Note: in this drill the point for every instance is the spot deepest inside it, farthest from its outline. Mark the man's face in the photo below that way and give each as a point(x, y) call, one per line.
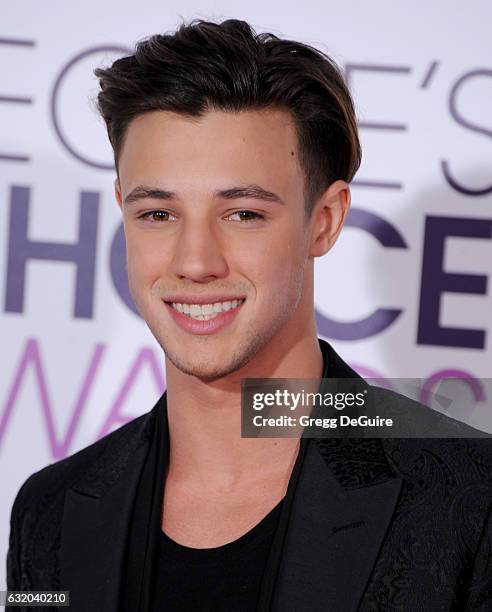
point(183, 185)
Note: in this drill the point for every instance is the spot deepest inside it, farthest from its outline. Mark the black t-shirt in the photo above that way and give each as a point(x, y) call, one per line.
point(222, 579)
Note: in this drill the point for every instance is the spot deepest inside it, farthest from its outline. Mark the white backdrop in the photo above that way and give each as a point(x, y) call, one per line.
point(76, 362)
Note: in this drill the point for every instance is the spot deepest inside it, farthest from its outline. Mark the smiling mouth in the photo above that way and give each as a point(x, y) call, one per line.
point(205, 312)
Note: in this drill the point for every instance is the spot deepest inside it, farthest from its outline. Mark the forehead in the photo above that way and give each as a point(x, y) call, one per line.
point(258, 145)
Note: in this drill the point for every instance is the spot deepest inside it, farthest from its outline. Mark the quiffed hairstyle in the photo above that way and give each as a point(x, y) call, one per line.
point(228, 66)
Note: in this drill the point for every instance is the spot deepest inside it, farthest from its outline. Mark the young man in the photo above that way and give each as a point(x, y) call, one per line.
point(233, 154)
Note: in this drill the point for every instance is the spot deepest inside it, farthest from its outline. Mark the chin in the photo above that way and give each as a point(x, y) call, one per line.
point(211, 357)
point(205, 362)
point(205, 369)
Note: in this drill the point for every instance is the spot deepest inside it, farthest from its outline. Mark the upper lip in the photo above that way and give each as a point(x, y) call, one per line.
point(202, 299)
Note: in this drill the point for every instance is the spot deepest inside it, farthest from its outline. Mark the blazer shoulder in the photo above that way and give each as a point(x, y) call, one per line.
point(416, 420)
point(61, 474)
point(452, 447)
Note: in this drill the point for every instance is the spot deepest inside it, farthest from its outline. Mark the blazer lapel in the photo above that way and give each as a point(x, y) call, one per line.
point(96, 521)
point(332, 539)
point(338, 506)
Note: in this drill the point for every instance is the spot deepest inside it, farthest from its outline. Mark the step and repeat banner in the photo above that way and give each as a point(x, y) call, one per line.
point(404, 293)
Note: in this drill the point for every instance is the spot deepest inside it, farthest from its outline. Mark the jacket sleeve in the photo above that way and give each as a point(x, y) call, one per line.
point(480, 592)
point(14, 562)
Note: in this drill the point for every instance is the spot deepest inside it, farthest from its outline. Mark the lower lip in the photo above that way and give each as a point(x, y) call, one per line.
point(211, 326)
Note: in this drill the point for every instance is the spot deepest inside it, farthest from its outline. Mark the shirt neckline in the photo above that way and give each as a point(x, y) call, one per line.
point(227, 552)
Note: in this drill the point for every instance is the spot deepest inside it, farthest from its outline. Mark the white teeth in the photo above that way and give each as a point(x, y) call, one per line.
point(204, 312)
point(195, 309)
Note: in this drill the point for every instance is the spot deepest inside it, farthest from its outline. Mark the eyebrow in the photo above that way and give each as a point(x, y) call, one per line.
point(247, 191)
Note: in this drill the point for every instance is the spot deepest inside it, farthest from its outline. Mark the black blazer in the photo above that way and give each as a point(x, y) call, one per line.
point(367, 524)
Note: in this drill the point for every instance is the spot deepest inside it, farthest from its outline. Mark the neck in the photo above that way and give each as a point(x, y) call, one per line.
point(205, 419)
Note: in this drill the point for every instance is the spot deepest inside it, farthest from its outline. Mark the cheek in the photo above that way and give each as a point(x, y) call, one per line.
point(275, 267)
point(289, 273)
point(144, 267)
point(145, 257)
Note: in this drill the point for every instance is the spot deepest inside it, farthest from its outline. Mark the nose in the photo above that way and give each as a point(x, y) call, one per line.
point(198, 252)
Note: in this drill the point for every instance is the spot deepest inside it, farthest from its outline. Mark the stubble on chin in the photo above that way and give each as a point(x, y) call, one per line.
point(222, 365)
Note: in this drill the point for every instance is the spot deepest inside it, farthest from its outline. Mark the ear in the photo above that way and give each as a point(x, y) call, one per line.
point(329, 214)
point(117, 192)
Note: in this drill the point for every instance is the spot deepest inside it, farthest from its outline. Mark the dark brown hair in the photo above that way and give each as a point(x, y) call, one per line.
point(228, 66)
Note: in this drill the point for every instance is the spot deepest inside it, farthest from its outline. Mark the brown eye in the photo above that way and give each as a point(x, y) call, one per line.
point(157, 216)
point(247, 215)
point(160, 215)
